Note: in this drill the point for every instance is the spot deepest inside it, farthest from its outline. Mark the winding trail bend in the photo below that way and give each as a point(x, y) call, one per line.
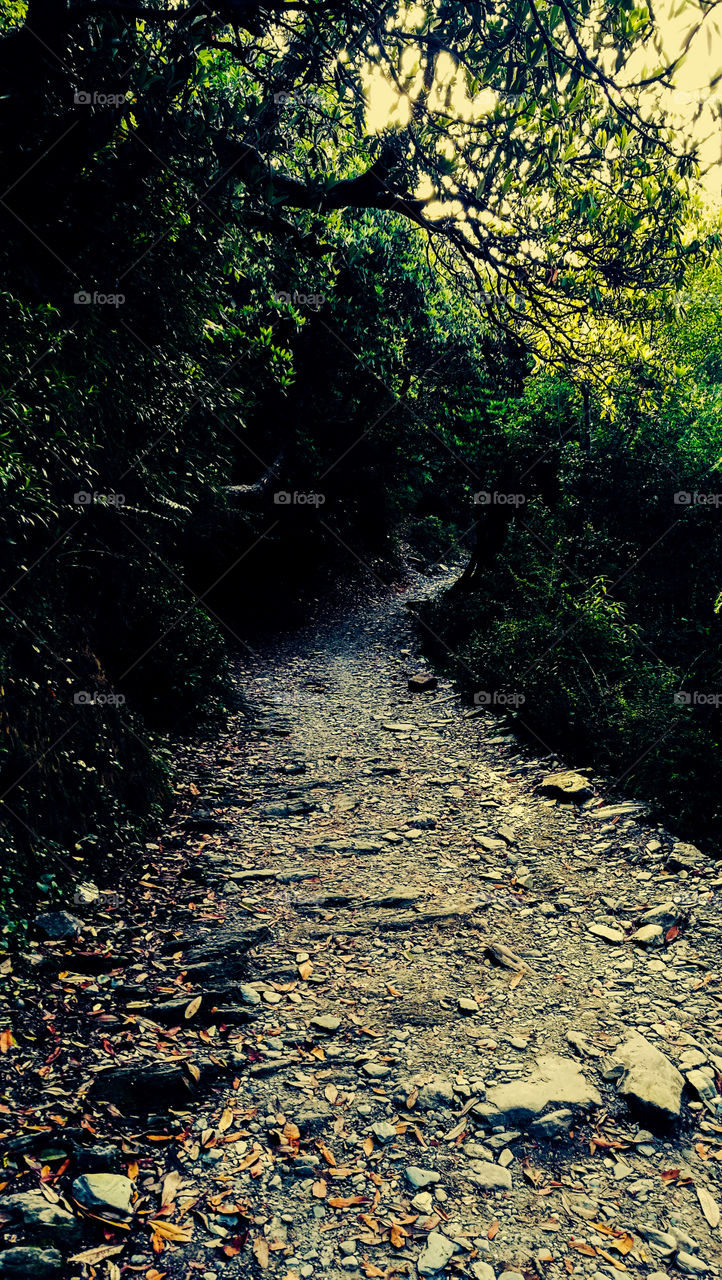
point(423, 986)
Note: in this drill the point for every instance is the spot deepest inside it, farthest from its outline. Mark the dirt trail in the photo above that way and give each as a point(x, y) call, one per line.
point(411, 1053)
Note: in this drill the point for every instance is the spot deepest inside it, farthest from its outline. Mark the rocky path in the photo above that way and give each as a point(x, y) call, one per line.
point(379, 1003)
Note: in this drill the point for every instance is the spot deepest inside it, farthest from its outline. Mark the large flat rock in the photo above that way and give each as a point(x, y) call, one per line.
point(556, 1082)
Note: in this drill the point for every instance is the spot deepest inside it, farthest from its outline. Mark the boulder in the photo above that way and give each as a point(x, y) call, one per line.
point(684, 857)
point(421, 683)
point(59, 925)
point(38, 1218)
point(648, 1081)
point(24, 1263)
point(566, 785)
point(105, 1195)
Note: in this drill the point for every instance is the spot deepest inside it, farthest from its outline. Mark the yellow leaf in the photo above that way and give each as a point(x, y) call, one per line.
point(305, 970)
point(320, 1189)
point(368, 1146)
point(226, 1120)
point(330, 1093)
point(398, 1236)
point(194, 1071)
point(193, 1007)
point(170, 1231)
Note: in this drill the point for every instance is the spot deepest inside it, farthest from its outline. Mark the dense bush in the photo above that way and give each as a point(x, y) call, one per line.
point(594, 600)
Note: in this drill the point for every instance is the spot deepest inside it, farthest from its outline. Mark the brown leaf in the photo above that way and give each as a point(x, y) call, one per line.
point(412, 1098)
point(194, 1071)
point(305, 970)
point(6, 1040)
point(320, 1189)
point(345, 1202)
point(370, 1269)
point(393, 991)
point(493, 1228)
point(260, 1251)
point(368, 1146)
point(330, 1093)
point(397, 1236)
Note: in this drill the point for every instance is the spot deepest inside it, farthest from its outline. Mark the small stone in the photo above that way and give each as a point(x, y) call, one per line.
point(490, 1176)
point(687, 1262)
point(326, 1022)
point(649, 935)
point(505, 1158)
point(421, 1178)
point(605, 933)
point(347, 1246)
point(483, 1271)
point(423, 1201)
point(249, 995)
point(466, 1005)
point(376, 1070)
point(312, 1116)
point(437, 1251)
point(518, 1042)
point(552, 1126)
point(349, 1263)
point(384, 1132)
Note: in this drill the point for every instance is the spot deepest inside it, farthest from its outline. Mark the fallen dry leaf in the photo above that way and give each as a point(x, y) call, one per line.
point(193, 1007)
point(226, 1120)
point(709, 1206)
point(98, 1254)
point(260, 1251)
